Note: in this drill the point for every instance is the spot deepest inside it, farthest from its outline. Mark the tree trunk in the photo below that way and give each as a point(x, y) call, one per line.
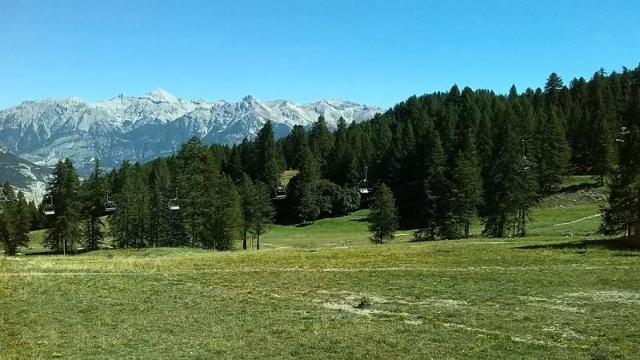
point(244, 239)
point(634, 234)
point(258, 241)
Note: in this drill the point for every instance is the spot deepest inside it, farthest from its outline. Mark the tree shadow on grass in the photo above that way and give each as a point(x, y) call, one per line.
point(304, 224)
point(617, 244)
point(46, 252)
point(578, 187)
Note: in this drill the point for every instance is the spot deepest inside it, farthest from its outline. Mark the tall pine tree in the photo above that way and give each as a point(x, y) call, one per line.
point(63, 193)
point(94, 209)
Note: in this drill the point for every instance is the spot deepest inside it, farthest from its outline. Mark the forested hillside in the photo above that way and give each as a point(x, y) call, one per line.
point(447, 158)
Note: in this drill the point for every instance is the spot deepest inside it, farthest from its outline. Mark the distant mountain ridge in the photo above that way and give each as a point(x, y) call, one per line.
point(145, 127)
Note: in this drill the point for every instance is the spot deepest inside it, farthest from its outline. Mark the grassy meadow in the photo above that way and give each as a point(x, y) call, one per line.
point(322, 291)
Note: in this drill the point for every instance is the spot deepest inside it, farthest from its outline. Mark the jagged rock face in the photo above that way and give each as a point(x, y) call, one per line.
point(143, 128)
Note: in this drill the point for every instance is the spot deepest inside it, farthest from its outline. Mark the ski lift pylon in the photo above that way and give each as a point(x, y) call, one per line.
point(363, 187)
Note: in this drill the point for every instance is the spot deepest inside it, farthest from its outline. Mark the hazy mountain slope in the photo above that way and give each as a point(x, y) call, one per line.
point(22, 174)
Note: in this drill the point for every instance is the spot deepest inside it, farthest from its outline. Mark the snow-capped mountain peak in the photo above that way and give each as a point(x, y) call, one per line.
point(155, 124)
point(161, 95)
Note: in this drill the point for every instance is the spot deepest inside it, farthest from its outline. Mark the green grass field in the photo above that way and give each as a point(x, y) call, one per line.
point(324, 292)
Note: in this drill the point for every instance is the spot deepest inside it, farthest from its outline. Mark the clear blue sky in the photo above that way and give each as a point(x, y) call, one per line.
point(373, 52)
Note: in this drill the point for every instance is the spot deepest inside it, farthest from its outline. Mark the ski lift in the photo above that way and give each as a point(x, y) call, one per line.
point(624, 131)
point(48, 209)
point(363, 187)
point(525, 161)
point(109, 206)
point(279, 193)
point(173, 203)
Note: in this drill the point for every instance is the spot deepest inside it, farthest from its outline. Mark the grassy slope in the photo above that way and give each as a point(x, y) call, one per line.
point(546, 296)
point(287, 176)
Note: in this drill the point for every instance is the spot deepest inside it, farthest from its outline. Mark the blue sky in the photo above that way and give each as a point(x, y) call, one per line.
point(373, 52)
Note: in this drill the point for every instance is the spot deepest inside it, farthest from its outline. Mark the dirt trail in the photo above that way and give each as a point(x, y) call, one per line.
point(578, 220)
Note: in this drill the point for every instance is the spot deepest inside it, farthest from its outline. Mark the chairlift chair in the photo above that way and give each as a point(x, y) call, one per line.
point(363, 187)
point(109, 206)
point(280, 193)
point(173, 203)
point(48, 209)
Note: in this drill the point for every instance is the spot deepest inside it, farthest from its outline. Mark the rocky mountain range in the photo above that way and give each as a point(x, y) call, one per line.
point(146, 127)
point(23, 175)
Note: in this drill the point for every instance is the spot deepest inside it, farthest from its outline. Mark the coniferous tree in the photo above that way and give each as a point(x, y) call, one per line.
point(37, 218)
point(382, 137)
point(525, 191)
point(159, 197)
point(604, 125)
point(94, 209)
point(248, 199)
point(304, 189)
point(20, 224)
point(601, 148)
point(17, 226)
point(222, 214)
point(553, 87)
point(578, 130)
point(407, 171)
point(466, 181)
point(139, 200)
point(340, 160)
point(294, 145)
point(308, 208)
point(15, 221)
point(484, 145)
point(446, 129)
point(344, 161)
point(5, 206)
point(435, 208)
point(266, 157)
point(130, 224)
point(235, 168)
point(64, 226)
point(383, 217)
point(263, 213)
point(362, 149)
point(321, 143)
point(123, 221)
point(504, 204)
point(195, 164)
point(622, 213)
point(552, 152)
